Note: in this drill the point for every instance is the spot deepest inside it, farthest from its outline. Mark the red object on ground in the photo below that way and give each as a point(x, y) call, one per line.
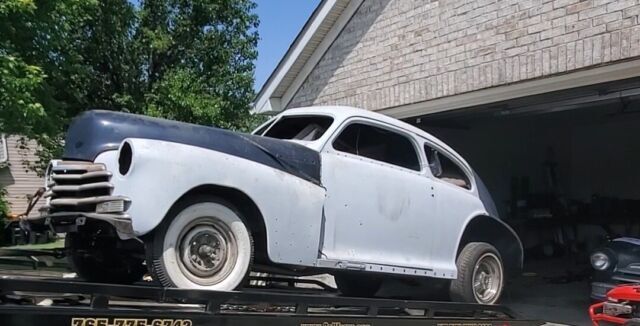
point(621, 302)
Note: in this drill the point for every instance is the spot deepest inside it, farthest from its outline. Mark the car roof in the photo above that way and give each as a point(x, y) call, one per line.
point(342, 113)
point(345, 112)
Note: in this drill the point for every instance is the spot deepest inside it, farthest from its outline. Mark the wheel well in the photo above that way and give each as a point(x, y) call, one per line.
point(489, 230)
point(248, 210)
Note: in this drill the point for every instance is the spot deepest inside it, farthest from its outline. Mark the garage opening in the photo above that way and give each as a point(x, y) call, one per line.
point(563, 169)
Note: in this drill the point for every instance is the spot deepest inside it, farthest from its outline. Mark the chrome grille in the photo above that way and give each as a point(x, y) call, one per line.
point(628, 274)
point(74, 186)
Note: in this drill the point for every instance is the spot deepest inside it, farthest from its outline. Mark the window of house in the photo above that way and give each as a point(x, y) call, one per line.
point(442, 167)
point(306, 128)
point(378, 144)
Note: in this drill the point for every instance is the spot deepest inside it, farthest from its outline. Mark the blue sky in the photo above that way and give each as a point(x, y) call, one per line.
point(280, 22)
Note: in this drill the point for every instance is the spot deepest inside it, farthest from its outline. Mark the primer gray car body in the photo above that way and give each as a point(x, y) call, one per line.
point(321, 207)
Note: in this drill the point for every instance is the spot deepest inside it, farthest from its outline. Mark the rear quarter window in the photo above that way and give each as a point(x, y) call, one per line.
point(445, 169)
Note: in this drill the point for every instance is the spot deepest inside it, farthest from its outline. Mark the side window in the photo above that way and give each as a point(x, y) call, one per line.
point(445, 169)
point(378, 144)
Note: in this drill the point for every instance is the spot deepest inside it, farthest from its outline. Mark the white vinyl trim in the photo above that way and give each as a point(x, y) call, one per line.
point(266, 102)
point(319, 52)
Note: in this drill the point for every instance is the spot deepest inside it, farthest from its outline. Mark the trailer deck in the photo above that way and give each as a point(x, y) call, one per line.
point(56, 301)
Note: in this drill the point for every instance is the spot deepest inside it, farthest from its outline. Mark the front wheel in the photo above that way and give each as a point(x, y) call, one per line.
point(202, 243)
point(480, 275)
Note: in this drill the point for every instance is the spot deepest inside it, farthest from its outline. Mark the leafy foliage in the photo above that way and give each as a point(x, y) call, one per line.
point(187, 60)
point(4, 205)
point(19, 82)
point(4, 210)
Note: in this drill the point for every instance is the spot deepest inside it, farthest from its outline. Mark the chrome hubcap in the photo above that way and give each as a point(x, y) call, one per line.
point(208, 252)
point(487, 279)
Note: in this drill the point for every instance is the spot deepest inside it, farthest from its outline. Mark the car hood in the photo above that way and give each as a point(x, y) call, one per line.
point(625, 258)
point(626, 250)
point(97, 131)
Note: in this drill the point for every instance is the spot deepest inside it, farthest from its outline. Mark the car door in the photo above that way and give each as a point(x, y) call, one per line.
point(379, 204)
point(456, 199)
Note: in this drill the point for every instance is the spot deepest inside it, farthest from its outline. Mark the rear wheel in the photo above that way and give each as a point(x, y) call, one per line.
point(98, 258)
point(203, 243)
point(357, 285)
point(480, 274)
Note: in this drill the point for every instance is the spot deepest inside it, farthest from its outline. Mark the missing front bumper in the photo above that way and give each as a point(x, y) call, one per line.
point(64, 222)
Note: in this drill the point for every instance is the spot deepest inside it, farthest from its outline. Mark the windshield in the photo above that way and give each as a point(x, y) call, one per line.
point(305, 128)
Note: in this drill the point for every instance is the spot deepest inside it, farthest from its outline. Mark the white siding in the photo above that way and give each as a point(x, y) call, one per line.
point(16, 178)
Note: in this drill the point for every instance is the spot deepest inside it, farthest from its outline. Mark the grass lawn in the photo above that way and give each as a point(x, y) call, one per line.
point(41, 266)
point(51, 245)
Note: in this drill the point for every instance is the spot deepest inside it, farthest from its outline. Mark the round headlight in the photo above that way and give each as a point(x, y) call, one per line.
point(600, 261)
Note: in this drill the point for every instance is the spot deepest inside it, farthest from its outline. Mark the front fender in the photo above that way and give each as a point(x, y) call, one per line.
point(161, 172)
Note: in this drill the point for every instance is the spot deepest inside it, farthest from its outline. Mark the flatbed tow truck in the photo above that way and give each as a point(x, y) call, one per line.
point(57, 301)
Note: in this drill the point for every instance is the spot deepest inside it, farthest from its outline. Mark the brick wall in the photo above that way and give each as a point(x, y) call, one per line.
point(396, 52)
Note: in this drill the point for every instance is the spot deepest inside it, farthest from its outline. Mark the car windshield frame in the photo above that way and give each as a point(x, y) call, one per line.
point(321, 127)
point(263, 127)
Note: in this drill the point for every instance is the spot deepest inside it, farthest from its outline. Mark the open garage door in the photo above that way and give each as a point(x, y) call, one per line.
point(563, 169)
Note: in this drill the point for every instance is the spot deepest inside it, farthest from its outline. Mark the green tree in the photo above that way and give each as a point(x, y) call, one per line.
point(20, 82)
point(184, 60)
point(185, 79)
point(40, 43)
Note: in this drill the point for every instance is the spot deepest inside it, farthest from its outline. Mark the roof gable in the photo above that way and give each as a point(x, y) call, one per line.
point(322, 28)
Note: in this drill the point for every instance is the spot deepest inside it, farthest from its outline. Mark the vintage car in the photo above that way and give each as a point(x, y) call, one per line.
point(313, 190)
point(616, 263)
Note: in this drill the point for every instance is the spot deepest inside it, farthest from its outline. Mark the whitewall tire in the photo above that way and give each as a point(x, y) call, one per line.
point(203, 243)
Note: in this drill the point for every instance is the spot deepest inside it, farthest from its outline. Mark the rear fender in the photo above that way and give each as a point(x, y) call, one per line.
point(491, 230)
